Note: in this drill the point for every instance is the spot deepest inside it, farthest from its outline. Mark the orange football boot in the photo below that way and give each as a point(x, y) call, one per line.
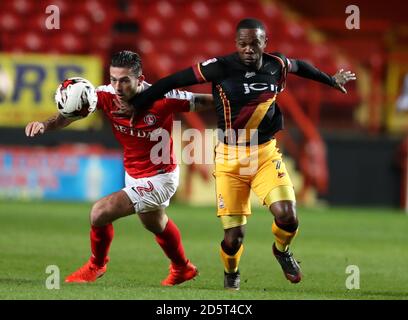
point(89, 272)
point(178, 274)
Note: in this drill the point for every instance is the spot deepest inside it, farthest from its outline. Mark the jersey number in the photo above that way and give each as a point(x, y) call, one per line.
point(140, 190)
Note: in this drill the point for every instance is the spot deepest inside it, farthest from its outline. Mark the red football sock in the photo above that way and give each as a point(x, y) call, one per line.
point(170, 241)
point(101, 238)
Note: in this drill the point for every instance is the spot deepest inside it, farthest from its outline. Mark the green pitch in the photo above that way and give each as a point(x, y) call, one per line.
point(36, 235)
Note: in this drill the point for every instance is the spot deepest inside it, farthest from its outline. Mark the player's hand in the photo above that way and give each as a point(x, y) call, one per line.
point(34, 128)
point(341, 78)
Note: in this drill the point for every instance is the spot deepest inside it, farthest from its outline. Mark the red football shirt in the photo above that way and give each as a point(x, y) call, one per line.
point(147, 143)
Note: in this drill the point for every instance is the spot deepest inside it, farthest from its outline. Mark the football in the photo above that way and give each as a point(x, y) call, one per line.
point(76, 98)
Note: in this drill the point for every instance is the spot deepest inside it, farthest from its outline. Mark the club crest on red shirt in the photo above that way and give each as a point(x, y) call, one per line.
point(150, 119)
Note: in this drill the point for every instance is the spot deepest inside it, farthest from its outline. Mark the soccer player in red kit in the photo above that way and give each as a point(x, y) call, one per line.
point(151, 178)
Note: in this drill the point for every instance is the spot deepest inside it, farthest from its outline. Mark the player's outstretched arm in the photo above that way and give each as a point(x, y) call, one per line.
point(200, 102)
point(57, 121)
point(155, 92)
point(306, 70)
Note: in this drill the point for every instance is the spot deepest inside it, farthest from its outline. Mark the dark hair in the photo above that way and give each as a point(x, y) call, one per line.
point(250, 23)
point(127, 59)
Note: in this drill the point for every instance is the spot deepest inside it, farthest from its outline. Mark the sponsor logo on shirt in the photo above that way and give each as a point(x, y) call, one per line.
point(248, 87)
point(134, 132)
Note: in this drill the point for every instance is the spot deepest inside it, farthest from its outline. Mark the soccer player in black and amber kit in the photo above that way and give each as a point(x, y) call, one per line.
point(245, 86)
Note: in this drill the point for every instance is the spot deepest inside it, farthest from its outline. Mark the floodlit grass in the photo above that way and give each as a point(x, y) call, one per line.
point(37, 234)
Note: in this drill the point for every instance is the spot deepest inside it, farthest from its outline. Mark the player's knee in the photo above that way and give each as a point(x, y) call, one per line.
point(233, 243)
point(154, 221)
point(155, 227)
point(234, 237)
point(284, 212)
point(100, 214)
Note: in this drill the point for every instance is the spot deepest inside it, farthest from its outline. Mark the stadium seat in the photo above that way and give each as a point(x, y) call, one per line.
point(35, 23)
point(20, 7)
point(222, 30)
point(232, 10)
point(64, 6)
point(78, 24)
point(9, 22)
point(294, 31)
point(165, 62)
point(176, 47)
point(185, 27)
point(161, 9)
point(198, 10)
point(271, 12)
point(6, 41)
point(100, 44)
point(152, 27)
point(100, 14)
point(132, 10)
point(146, 46)
point(214, 48)
point(30, 42)
point(210, 48)
point(69, 44)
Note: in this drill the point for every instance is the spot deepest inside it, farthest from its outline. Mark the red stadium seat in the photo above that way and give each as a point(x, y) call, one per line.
point(9, 22)
point(134, 11)
point(233, 11)
point(215, 48)
point(294, 31)
point(271, 12)
point(29, 42)
point(38, 23)
point(176, 47)
point(152, 27)
point(211, 48)
point(80, 24)
point(223, 29)
point(68, 43)
point(165, 62)
point(20, 7)
point(145, 46)
point(185, 27)
point(100, 44)
point(7, 41)
point(100, 15)
point(65, 7)
point(198, 10)
point(161, 9)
